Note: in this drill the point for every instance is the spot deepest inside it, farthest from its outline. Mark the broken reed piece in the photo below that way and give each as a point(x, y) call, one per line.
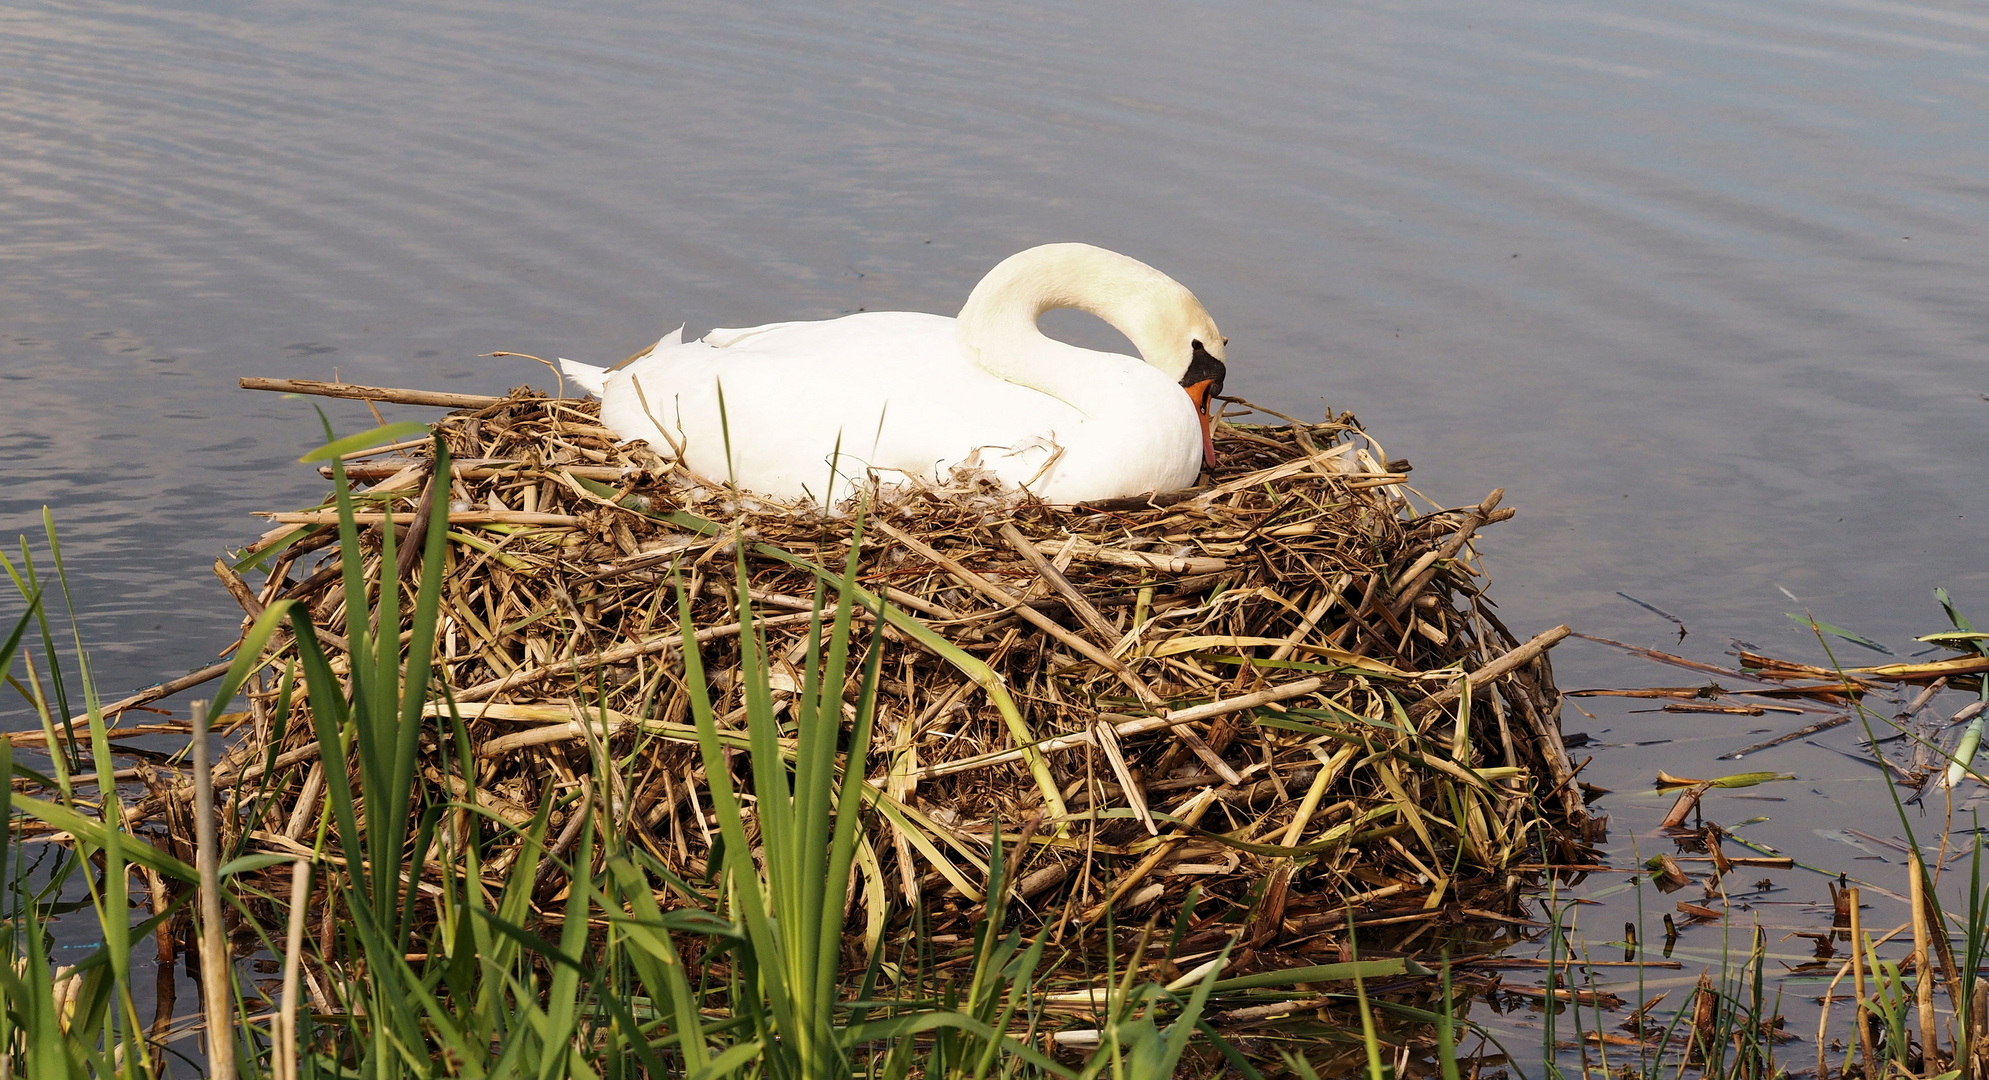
point(355, 392)
point(216, 1009)
point(1698, 911)
point(138, 700)
point(1504, 665)
point(1671, 877)
point(1688, 801)
point(456, 517)
point(470, 469)
point(1801, 732)
point(1091, 551)
point(1705, 1010)
point(1866, 1053)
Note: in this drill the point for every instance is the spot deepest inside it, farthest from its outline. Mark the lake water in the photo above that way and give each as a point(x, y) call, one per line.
point(1701, 285)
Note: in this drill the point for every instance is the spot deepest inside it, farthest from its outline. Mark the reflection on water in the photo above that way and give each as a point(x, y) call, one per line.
point(1700, 286)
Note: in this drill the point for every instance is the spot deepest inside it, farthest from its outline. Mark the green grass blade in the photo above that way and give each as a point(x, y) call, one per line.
point(328, 716)
point(335, 449)
point(738, 864)
point(562, 1000)
point(1837, 631)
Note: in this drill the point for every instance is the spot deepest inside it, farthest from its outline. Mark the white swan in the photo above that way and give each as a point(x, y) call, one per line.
point(918, 394)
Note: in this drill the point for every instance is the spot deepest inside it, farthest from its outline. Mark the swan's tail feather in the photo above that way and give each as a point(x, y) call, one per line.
point(589, 377)
point(593, 379)
point(668, 341)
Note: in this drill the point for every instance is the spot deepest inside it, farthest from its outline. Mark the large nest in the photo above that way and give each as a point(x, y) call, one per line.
point(1258, 687)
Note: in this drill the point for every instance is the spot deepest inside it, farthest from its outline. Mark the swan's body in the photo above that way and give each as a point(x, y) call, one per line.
point(910, 393)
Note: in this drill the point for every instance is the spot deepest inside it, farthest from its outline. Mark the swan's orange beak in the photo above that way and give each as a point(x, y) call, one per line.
point(1203, 395)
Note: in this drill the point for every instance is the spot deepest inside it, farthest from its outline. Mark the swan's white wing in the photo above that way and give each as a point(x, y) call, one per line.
point(594, 379)
point(722, 337)
point(590, 378)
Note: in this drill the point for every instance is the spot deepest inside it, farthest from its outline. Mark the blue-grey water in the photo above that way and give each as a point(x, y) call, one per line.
point(1701, 285)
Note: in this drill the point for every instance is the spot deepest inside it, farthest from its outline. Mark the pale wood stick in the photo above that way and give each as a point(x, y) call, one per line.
point(253, 770)
point(372, 393)
point(285, 1035)
point(1282, 1008)
point(148, 696)
point(1224, 707)
point(1923, 989)
point(238, 588)
point(504, 809)
point(37, 738)
point(474, 469)
point(1864, 1032)
point(1138, 560)
point(466, 517)
point(89, 779)
point(1028, 614)
point(215, 977)
point(1517, 657)
point(1688, 800)
point(307, 802)
point(917, 603)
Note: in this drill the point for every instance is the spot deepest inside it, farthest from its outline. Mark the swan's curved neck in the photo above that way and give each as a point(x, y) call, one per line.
point(998, 329)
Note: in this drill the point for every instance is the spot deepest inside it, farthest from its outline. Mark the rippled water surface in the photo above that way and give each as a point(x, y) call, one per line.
point(1701, 285)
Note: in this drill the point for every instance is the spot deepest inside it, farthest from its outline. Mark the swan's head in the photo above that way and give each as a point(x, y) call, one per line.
point(1203, 381)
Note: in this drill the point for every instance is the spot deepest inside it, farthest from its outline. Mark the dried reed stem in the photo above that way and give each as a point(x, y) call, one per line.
point(216, 974)
point(285, 1035)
